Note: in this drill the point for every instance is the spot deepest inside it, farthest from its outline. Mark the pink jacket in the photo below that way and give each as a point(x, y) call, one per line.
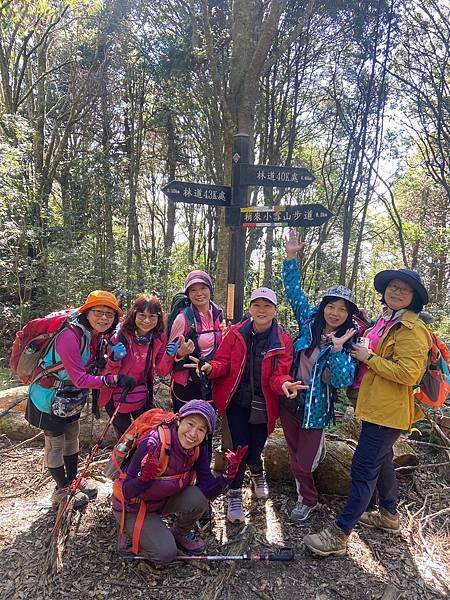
point(133, 364)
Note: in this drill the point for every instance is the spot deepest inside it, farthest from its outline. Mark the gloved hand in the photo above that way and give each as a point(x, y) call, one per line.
point(234, 461)
point(125, 381)
point(118, 351)
point(149, 467)
point(173, 347)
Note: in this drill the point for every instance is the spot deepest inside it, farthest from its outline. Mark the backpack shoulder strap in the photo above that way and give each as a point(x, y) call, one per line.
point(164, 454)
point(191, 329)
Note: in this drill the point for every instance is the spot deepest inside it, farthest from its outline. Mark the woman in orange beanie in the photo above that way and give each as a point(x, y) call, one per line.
point(56, 399)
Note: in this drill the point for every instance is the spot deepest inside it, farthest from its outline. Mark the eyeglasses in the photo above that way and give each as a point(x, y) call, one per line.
point(109, 314)
point(144, 317)
point(401, 290)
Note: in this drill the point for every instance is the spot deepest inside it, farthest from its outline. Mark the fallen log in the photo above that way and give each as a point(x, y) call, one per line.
point(333, 474)
point(14, 426)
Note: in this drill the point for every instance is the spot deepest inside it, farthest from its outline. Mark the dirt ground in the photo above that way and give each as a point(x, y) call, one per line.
point(414, 564)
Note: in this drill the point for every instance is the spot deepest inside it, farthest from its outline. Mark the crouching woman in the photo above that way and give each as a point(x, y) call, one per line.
point(144, 497)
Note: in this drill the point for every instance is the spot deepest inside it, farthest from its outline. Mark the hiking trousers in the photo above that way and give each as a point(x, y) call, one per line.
point(305, 447)
point(157, 542)
point(372, 468)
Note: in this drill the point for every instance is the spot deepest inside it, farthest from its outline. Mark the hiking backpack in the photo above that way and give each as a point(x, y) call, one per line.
point(32, 343)
point(153, 419)
point(434, 387)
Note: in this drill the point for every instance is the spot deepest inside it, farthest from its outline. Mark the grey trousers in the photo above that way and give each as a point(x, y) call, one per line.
point(156, 541)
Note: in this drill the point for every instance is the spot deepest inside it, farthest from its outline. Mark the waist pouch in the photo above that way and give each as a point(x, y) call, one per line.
point(69, 401)
point(134, 400)
point(295, 406)
point(258, 411)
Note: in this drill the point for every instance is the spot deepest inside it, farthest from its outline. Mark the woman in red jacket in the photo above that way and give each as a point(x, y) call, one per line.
point(138, 348)
point(250, 371)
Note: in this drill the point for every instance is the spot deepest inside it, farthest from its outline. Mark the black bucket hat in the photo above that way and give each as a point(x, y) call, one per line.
point(410, 277)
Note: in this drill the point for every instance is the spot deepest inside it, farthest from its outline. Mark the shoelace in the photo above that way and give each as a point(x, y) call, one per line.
point(191, 536)
point(260, 480)
point(235, 502)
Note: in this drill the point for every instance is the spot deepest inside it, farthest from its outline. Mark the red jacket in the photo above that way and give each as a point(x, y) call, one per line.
point(229, 362)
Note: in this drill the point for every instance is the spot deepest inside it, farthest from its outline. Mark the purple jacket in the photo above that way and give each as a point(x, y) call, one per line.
point(156, 492)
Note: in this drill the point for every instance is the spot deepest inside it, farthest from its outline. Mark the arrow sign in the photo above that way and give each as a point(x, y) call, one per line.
point(304, 215)
point(198, 193)
point(275, 176)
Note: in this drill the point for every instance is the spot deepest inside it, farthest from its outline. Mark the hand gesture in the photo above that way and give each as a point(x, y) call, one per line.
point(205, 368)
point(125, 381)
point(293, 244)
point(149, 467)
point(186, 347)
point(234, 461)
point(290, 388)
point(118, 351)
point(338, 342)
point(359, 352)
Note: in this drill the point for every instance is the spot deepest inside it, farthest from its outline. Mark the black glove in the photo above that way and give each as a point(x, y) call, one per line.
point(125, 381)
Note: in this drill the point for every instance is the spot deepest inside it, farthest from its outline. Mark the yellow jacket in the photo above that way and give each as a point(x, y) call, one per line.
point(386, 393)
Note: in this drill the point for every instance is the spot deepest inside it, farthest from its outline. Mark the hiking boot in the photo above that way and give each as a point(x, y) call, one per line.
point(331, 540)
point(259, 485)
point(301, 512)
point(87, 488)
point(235, 512)
point(61, 494)
point(189, 542)
point(381, 519)
point(207, 515)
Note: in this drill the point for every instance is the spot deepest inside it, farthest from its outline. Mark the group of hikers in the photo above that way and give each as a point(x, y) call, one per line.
point(252, 373)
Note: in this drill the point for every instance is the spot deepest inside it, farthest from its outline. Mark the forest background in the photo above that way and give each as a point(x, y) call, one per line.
point(102, 103)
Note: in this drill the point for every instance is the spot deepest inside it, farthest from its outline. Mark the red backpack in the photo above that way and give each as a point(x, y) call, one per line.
point(32, 343)
point(153, 419)
point(434, 387)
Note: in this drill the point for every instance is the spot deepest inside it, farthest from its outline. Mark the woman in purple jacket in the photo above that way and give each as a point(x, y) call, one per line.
point(138, 349)
point(183, 490)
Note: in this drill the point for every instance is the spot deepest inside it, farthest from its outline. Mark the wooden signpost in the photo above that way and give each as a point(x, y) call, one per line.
point(239, 216)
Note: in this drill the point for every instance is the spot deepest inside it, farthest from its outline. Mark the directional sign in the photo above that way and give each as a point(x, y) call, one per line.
point(304, 215)
point(198, 193)
point(275, 176)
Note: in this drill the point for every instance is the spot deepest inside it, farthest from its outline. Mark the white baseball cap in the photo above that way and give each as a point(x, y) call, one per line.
point(266, 293)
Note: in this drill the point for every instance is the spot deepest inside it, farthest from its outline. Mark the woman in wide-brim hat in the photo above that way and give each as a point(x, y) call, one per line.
point(55, 400)
point(393, 363)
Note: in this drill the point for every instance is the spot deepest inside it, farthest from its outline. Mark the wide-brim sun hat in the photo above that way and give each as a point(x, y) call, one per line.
point(202, 408)
point(340, 291)
point(101, 298)
point(410, 277)
point(197, 276)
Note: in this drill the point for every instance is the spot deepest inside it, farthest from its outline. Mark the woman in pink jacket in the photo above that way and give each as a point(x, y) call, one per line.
point(138, 348)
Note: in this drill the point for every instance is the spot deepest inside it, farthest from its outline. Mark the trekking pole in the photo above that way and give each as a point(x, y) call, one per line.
point(283, 554)
point(76, 482)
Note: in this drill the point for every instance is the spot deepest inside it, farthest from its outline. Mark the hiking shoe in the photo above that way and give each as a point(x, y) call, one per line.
point(207, 515)
point(87, 488)
point(235, 511)
point(301, 512)
point(61, 494)
point(381, 519)
point(331, 540)
point(189, 542)
point(259, 485)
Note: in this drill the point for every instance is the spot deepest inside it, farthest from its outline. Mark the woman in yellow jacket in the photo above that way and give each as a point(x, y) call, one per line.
point(393, 362)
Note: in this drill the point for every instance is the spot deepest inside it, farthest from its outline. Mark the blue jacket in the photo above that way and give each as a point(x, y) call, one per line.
point(319, 404)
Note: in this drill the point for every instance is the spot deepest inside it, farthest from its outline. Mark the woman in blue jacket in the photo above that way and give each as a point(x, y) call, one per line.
point(321, 360)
